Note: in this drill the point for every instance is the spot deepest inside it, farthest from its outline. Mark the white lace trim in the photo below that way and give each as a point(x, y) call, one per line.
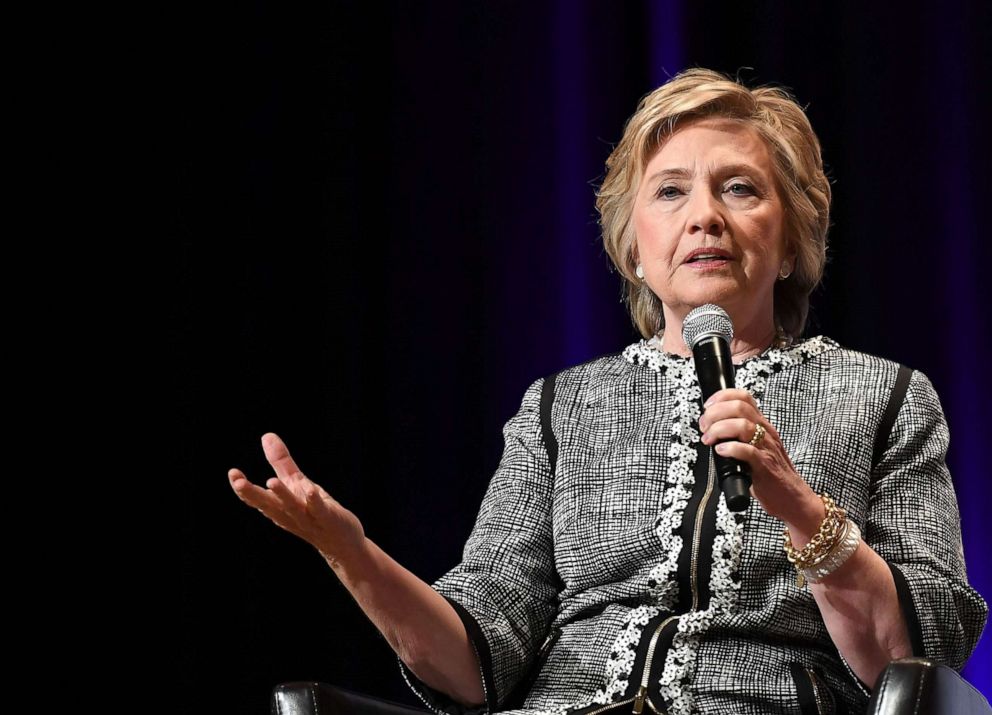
point(679, 477)
point(618, 665)
point(621, 660)
point(680, 662)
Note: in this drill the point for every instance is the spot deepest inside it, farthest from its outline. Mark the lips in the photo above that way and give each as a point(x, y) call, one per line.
point(708, 254)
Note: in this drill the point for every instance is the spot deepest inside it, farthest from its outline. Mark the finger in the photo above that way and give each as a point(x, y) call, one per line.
point(316, 499)
point(304, 499)
point(234, 474)
point(249, 493)
point(730, 393)
point(290, 500)
point(278, 455)
point(738, 428)
point(728, 410)
point(738, 450)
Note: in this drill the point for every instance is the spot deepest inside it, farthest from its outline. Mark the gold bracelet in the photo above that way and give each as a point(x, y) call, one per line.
point(819, 547)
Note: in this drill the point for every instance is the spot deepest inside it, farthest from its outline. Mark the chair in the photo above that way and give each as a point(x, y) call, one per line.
point(911, 686)
point(309, 698)
point(916, 685)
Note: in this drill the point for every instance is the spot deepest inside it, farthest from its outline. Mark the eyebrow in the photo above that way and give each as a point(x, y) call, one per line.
point(725, 170)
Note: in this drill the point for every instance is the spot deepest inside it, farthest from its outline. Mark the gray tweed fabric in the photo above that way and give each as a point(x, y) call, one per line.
point(622, 566)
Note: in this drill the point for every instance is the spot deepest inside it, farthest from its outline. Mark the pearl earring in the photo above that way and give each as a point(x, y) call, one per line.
point(640, 271)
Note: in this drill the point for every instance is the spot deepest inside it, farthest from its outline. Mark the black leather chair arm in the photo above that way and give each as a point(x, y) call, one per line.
point(918, 686)
point(321, 699)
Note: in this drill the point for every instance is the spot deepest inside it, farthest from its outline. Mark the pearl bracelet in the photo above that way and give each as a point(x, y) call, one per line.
point(846, 545)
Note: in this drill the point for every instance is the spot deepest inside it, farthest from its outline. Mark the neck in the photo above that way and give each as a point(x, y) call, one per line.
point(749, 338)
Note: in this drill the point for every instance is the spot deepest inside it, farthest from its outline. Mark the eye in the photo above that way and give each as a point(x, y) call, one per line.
point(668, 192)
point(739, 188)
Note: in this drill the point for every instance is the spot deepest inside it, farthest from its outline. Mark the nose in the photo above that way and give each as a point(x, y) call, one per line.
point(705, 214)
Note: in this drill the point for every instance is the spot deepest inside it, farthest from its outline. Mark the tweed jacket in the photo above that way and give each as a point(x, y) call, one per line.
point(605, 574)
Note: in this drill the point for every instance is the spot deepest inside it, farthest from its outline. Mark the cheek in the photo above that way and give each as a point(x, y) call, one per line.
point(766, 243)
point(641, 231)
point(655, 237)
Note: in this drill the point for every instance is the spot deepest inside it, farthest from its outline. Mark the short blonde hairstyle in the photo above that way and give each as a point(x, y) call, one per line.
point(798, 167)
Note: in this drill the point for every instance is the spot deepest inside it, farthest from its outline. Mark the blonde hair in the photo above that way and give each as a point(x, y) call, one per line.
point(798, 167)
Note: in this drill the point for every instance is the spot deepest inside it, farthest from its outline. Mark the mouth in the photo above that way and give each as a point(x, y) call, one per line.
point(708, 257)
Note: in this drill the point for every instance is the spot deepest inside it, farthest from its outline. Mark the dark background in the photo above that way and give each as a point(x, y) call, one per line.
point(384, 218)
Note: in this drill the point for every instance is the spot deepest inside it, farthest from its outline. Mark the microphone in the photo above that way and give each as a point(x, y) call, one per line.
point(707, 330)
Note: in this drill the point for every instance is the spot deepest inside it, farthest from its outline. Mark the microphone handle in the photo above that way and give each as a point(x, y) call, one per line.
point(716, 372)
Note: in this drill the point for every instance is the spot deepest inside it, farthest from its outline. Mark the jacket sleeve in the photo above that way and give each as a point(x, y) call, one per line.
point(506, 587)
point(914, 524)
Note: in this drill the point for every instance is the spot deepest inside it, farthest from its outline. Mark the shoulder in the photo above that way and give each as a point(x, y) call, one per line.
point(589, 381)
point(842, 365)
point(899, 396)
point(856, 367)
point(605, 366)
point(843, 355)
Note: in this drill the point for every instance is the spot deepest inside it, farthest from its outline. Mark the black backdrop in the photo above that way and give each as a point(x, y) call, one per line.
point(384, 218)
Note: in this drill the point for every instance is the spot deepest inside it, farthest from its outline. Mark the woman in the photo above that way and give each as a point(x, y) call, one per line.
point(604, 571)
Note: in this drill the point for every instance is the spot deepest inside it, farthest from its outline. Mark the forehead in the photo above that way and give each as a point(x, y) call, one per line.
point(710, 141)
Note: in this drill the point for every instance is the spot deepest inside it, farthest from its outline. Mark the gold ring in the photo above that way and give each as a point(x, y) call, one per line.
point(759, 434)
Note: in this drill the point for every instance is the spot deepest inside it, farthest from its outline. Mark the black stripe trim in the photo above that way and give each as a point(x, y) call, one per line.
point(665, 640)
point(804, 689)
point(485, 658)
point(896, 398)
point(707, 534)
point(637, 668)
point(908, 611)
point(550, 441)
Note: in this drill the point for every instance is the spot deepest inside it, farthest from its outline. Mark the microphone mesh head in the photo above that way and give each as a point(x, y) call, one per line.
point(706, 321)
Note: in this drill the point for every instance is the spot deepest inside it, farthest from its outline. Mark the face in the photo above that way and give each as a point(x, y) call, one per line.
point(710, 190)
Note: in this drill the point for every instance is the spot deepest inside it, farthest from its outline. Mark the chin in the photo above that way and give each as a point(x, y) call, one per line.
point(726, 297)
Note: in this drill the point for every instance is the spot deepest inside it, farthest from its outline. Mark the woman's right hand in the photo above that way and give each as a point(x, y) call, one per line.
point(301, 506)
point(418, 622)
